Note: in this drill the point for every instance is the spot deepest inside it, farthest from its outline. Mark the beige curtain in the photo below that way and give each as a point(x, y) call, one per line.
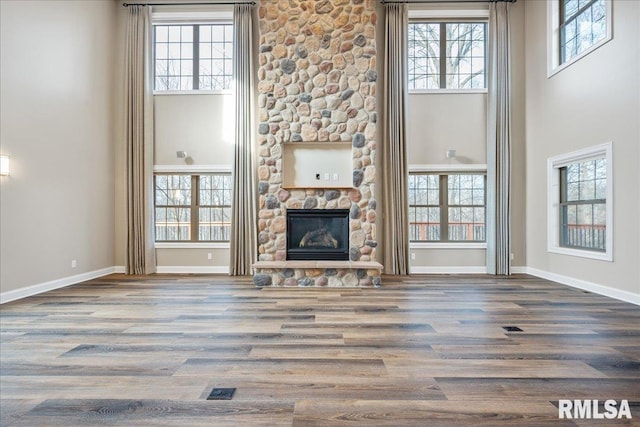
point(394, 158)
point(244, 206)
point(499, 142)
point(140, 252)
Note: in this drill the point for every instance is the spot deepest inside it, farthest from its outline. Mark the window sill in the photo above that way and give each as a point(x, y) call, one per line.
point(448, 245)
point(602, 256)
point(191, 92)
point(446, 91)
point(556, 68)
point(192, 245)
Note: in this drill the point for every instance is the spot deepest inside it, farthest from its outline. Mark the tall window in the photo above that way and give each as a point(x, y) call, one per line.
point(446, 207)
point(447, 55)
point(193, 57)
point(583, 23)
point(583, 205)
point(195, 208)
point(580, 203)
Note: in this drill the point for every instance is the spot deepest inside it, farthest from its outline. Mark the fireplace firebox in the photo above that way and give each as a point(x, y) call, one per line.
point(318, 234)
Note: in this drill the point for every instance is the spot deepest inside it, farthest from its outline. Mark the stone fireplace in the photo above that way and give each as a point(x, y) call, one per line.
point(316, 97)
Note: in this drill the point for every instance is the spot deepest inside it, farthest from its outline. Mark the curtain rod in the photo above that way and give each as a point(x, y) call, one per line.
point(444, 1)
point(252, 3)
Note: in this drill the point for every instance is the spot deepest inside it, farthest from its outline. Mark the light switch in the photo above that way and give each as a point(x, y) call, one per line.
point(326, 176)
point(335, 176)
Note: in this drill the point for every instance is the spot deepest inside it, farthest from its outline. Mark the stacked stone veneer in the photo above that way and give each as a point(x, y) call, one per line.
point(317, 83)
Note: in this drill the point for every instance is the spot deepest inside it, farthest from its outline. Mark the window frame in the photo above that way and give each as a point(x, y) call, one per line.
point(442, 21)
point(196, 24)
point(194, 208)
point(443, 171)
point(554, 36)
point(554, 191)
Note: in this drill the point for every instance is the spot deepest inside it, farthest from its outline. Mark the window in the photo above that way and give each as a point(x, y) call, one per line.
point(446, 207)
point(583, 201)
point(447, 55)
point(192, 208)
point(577, 27)
point(580, 206)
point(193, 57)
point(582, 24)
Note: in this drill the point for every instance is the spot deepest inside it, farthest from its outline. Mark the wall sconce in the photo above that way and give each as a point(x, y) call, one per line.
point(451, 154)
point(4, 165)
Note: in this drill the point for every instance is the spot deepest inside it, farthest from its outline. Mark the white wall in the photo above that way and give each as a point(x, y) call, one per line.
point(438, 122)
point(595, 100)
point(57, 125)
point(202, 125)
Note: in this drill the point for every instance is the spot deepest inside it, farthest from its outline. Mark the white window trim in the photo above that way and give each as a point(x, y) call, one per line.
point(553, 200)
point(213, 15)
point(448, 168)
point(192, 245)
point(445, 169)
point(447, 91)
point(553, 37)
point(192, 92)
point(420, 12)
point(191, 169)
point(447, 245)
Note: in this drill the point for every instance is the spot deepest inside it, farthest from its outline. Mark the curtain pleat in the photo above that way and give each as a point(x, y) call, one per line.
point(499, 142)
point(140, 251)
point(394, 147)
point(244, 206)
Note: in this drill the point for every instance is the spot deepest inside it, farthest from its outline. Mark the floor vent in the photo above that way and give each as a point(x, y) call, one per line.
point(221, 394)
point(512, 329)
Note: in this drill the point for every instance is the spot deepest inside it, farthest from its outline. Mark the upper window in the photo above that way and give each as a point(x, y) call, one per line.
point(446, 207)
point(447, 55)
point(580, 205)
point(577, 27)
point(193, 57)
point(192, 208)
point(582, 24)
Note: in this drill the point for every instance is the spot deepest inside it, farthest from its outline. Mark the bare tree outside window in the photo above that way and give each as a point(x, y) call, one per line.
point(583, 23)
point(193, 207)
point(447, 207)
point(193, 57)
point(445, 55)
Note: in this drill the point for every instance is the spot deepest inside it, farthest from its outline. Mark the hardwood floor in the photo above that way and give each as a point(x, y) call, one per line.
point(421, 350)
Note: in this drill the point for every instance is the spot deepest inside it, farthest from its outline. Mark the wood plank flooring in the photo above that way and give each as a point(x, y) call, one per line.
point(421, 350)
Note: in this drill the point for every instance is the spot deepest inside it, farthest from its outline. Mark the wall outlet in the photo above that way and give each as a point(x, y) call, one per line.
point(511, 257)
point(326, 176)
point(317, 177)
point(209, 255)
point(413, 256)
point(74, 263)
point(336, 176)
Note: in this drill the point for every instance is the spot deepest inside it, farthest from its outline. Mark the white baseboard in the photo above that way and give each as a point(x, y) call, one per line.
point(120, 269)
point(586, 286)
point(481, 269)
point(53, 284)
point(181, 269)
